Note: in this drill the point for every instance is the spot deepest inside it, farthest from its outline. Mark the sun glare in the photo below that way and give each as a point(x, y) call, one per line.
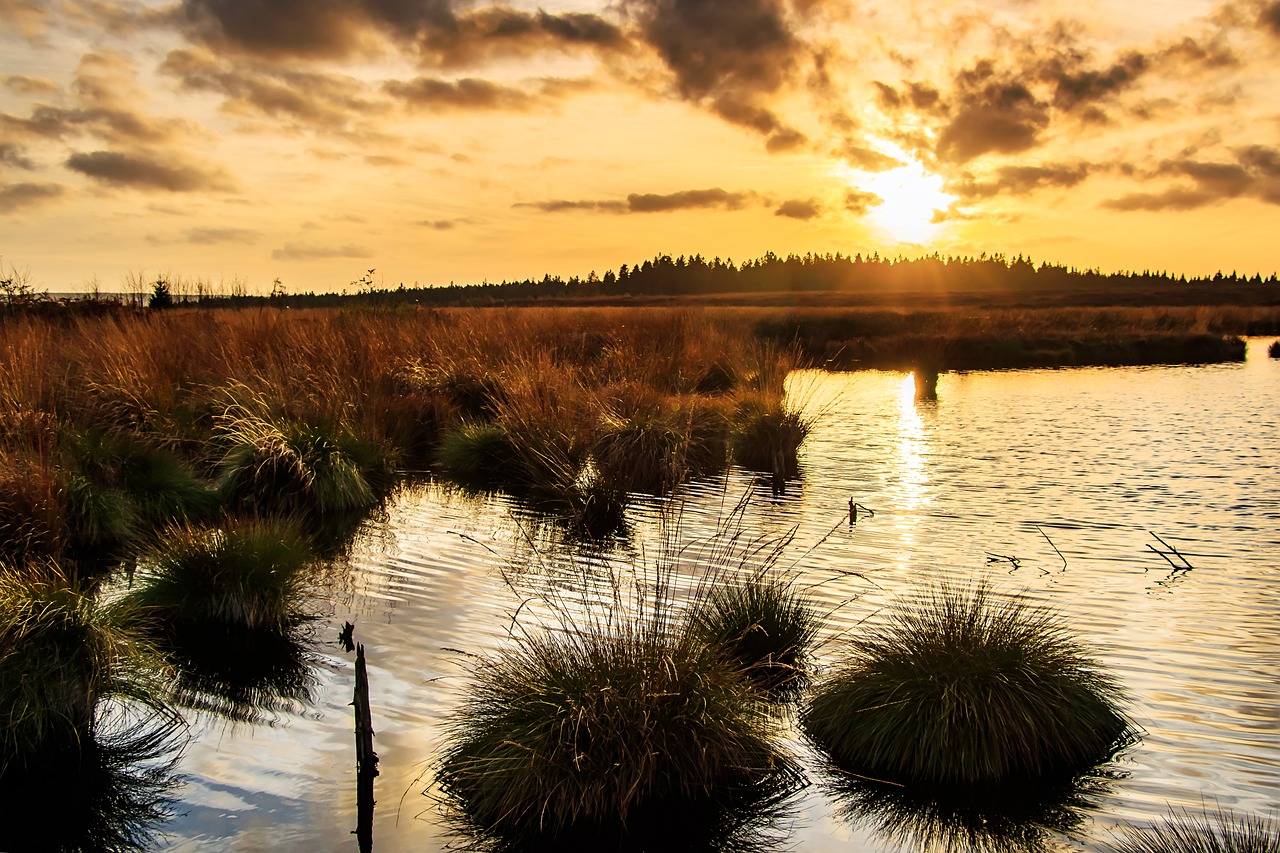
point(910, 198)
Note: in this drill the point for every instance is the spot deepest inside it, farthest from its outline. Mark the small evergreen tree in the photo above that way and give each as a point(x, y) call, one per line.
point(161, 296)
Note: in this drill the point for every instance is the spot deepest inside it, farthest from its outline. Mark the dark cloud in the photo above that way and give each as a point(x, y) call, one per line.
point(1223, 180)
point(441, 224)
point(1261, 159)
point(715, 197)
point(1004, 103)
point(312, 252)
point(441, 31)
point(498, 32)
point(1175, 198)
point(1076, 87)
point(15, 156)
point(465, 94)
point(653, 202)
point(1022, 180)
point(299, 28)
point(1269, 18)
point(802, 209)
point(15, 198)
point(219, 236)
point(1256, 174)
point(993, 114)
point(860, 202)
point(867, 159)
point(146, 171)
point(728, 56)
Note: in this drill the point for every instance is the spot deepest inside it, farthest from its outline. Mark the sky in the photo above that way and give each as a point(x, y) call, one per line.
point(321, 143)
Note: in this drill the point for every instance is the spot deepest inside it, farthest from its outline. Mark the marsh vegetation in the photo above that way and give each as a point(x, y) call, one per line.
point(169, 480)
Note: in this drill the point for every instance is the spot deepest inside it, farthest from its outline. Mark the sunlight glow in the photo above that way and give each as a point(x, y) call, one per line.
point(910, 197)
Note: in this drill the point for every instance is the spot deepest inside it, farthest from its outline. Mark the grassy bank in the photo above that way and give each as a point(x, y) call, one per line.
point(114, 425)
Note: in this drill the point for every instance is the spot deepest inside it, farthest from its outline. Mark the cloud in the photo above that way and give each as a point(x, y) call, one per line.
point(220, 236)
point(715, 197)
point(919, 96)
point(1269, 18)
point(867, 159)
point(27, 18)
point(313, 99)
point(465, 94)
point(1175, 198)
point(1023, 180)
point(1261, 159)
point(860, 202)
point(727, 56)
point(993, 113)
point(1006, 102)
point(23, 85)
point(146, 171)
point(24, 196)
point(653, 202)
point(441, 224)
point(441, 33)
point(108, 100)
point(803, 209)
point(501, 32)
point(15, 156)
point(312, 252)
point(1256, 174)
point(562, 205)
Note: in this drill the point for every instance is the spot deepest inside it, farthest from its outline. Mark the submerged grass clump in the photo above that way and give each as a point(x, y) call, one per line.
point(766, 435)
point(1218, 831)
point(764, 627)
point(245, 576)
point(963, 690)
point(62, 651)
point(599, 728)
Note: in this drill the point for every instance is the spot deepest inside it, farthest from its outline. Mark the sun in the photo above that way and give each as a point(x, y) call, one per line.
point(910, 199)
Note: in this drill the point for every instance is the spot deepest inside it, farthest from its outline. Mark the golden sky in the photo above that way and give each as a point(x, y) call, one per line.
point(464, 140)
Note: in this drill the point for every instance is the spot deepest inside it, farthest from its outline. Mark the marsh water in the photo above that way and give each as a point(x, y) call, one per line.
point(1053, 484)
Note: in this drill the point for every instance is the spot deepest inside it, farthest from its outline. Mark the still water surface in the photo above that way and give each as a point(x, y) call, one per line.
point(1067, 472)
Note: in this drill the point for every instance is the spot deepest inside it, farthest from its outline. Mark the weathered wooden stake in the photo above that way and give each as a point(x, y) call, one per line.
point(366, 758)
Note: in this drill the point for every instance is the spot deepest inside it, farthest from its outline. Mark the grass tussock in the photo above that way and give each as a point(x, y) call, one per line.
point(1274, 350)
point(121, 488)
point(62, 652)
point(646, 441)
point(615, 714)
point(478, 455)
point(1207, 831)
point(766, 435)
point(765, 627)
point(965, 690)
point(283, 466)
point(247, 575)
point(590, 727)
